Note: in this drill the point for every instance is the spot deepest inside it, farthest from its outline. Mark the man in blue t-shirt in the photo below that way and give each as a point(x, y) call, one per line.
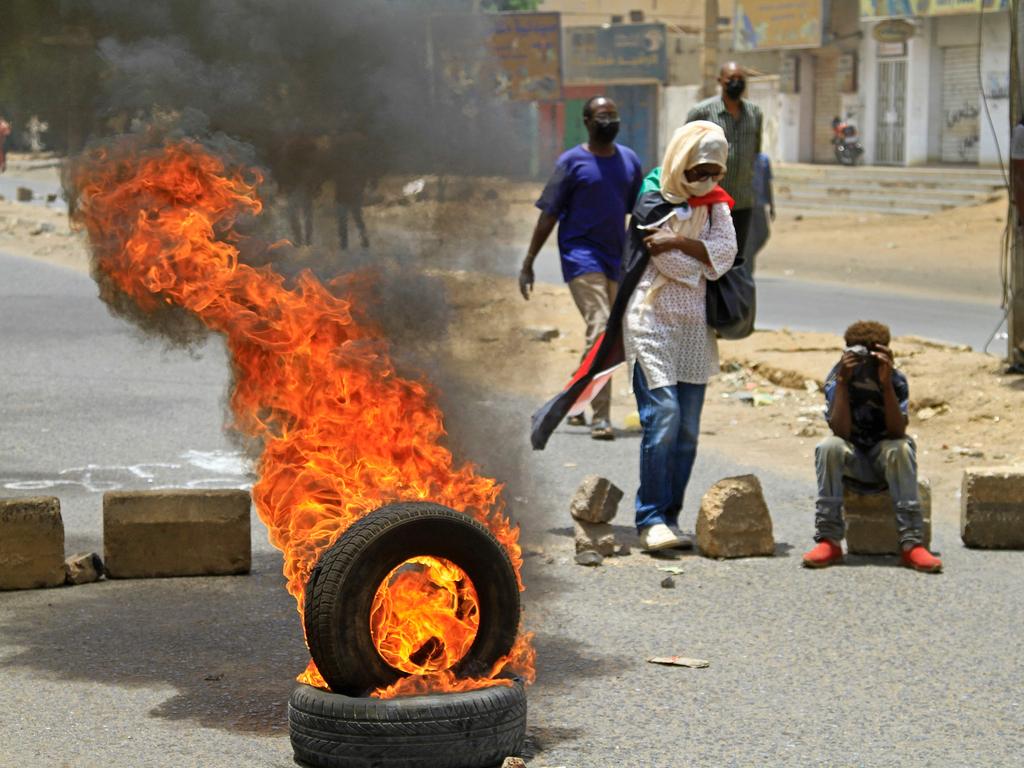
point(589, 195)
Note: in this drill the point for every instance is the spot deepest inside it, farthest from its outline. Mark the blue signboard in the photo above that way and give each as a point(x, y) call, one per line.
point(616, 52)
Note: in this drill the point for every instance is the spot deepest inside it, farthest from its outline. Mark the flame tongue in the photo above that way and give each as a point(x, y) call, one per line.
point(342, 433)
point(424, 616)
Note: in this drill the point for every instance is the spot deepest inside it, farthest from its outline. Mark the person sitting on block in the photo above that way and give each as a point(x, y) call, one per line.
point(867, 411)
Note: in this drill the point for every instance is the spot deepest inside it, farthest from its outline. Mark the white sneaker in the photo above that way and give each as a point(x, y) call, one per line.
point(658, 536)
point(685, 539)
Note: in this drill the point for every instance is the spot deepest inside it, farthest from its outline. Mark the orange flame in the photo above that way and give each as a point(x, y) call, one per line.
point(424, 619)
point(342, 433)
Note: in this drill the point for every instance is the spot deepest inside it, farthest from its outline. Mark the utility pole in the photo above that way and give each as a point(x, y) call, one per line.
point(1015, 322)
point(709, 57)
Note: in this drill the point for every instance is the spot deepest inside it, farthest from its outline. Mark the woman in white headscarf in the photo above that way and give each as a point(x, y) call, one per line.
point(668, 344)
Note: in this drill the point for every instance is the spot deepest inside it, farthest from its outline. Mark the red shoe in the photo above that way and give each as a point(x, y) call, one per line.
point(920, 559)
point(825, 554)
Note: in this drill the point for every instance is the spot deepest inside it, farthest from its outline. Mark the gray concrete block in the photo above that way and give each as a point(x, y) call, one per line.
point(176, 533)
point(596, 500)
point(595, 537)
point(871, 521)
point(31, 543)
point(734, 521)
point(992, 508)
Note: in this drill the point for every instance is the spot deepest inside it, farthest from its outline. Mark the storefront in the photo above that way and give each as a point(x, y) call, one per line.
point(935, 81)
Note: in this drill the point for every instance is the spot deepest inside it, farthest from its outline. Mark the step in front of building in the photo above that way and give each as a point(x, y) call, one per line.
point(883, 189)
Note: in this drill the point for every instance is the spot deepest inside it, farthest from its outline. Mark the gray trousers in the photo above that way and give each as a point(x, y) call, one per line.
point(594, 295)
point(893, 462)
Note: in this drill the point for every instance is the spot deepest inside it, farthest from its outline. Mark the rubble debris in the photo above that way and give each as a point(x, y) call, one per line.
point(546, 333)
point(596, 500)
point(668, 583)
point(871, 520)
point(675, 570)
point(83, 568)
point(596, 537)
point(42, 227)
point(513, 762)
point(679, 661)
point(992, 508)
point(734, 521)
point(23, 195)
point(589, 557)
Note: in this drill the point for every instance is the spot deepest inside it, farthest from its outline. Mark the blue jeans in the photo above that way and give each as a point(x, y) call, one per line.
point(670, 417)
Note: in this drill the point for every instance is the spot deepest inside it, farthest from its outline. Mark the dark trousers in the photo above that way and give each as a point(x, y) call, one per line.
point(741, 223)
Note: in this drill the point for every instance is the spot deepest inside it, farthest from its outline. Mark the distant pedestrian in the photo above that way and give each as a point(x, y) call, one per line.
point(867, 412)
point(5, 131)
point(743, 125)
point(589, 196)
point(763, 211)
point(667, 340)
point(350, 158)
point(300, 175)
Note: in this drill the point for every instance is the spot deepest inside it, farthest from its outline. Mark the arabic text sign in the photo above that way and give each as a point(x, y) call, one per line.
point(617, 52)
point(519, 57)
point(886, 8)
point(762, 25)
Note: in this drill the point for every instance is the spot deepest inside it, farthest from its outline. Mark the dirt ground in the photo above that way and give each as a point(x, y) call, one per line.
point(766, 406)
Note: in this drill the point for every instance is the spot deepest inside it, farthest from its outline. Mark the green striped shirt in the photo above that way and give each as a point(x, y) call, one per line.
point(744, 137)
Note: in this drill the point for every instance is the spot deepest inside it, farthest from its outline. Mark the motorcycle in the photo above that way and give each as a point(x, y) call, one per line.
point(846, 143)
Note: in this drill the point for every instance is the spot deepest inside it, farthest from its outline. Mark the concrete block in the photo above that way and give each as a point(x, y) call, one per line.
point(596, 500)
point(31, 543)
point(992, 508)
point(176, 533)
point(871, 521)
point(83, 568)
point(734, 521)
point(595, 537)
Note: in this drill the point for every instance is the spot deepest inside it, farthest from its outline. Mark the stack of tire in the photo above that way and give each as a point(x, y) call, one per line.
point(346, 727)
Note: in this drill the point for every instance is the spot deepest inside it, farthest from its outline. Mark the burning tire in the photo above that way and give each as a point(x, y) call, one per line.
point(449, 730)
point(342, 598)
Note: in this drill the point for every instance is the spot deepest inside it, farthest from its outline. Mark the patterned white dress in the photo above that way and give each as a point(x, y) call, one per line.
point(665, 329)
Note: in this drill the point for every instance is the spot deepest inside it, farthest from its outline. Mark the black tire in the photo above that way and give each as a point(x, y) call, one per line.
point(341, 588)
point(475, 729)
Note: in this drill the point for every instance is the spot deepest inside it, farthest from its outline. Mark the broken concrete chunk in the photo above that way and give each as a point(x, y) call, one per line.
point(871, 521)
point(23, 194)
point(83, 568)
point(513, 762)
point(992, 508)
point(589, 557)
point(595, 537)
point(31, 543)
point(176, 533)
point(734, 521)
point(596, 500)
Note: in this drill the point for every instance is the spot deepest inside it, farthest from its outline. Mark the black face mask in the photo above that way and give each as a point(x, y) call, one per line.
point(735, 88)
point(605, 130)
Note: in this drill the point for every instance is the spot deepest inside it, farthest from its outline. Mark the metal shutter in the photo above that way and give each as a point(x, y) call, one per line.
point(826, 107)
point(960, 99)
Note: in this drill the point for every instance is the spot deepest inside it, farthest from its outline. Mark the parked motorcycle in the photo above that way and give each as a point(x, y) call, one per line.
point(846, 143)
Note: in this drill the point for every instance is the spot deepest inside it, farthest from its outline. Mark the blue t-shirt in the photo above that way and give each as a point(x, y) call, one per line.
point(867, 408)
point(591, 196)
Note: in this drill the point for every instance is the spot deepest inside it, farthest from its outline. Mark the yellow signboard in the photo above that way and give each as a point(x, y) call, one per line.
point(874, 9)
point(764, 25)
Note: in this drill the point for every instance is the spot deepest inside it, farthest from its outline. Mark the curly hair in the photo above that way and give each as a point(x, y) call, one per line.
point(867, 332)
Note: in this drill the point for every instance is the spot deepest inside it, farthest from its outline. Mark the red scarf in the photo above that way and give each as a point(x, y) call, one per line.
point(716, 195)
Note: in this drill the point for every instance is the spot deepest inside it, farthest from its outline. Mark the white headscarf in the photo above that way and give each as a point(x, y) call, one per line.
point(698, 142)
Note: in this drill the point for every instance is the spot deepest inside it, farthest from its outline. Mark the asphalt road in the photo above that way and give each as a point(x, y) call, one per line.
point(804, 305)
point(867, 665)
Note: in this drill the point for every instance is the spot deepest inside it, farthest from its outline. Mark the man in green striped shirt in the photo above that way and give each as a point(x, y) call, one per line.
point(742, 122)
